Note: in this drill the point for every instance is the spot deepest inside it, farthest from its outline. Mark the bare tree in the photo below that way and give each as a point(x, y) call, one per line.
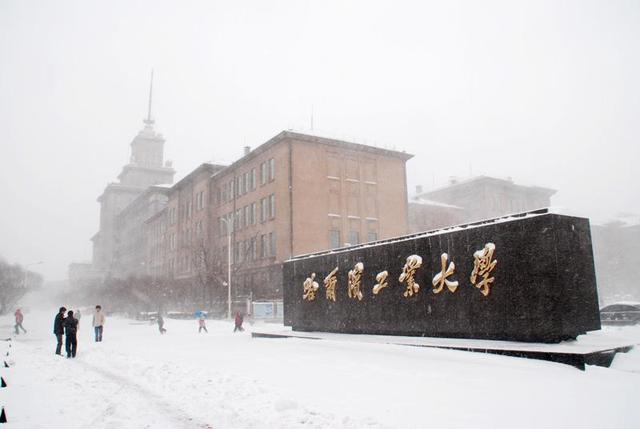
point(15, 282)
point(207, 263)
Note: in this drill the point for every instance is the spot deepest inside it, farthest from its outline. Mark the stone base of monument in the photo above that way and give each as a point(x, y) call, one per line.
point(594, 348)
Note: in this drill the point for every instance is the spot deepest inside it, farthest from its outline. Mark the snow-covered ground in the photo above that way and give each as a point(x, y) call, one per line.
point(137, 378)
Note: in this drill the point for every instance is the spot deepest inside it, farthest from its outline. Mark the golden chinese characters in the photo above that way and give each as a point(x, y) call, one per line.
point(330, 283)
point(310, 288)
point(381, 278)
point(440, 279)
point(408, 273)
point(482, 267)
point(355, 281)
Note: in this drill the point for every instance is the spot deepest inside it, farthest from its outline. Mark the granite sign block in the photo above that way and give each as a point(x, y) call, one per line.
point(525, 278)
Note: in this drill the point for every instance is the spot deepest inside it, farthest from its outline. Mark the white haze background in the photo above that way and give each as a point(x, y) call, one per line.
point(544, 92)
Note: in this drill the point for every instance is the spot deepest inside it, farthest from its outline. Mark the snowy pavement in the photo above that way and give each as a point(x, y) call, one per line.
point(137, 378)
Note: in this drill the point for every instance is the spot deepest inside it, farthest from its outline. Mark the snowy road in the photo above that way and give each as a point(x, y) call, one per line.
point(137, 378)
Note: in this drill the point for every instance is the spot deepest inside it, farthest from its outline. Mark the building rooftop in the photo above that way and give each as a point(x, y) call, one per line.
point(475, 180)
point(293, 135)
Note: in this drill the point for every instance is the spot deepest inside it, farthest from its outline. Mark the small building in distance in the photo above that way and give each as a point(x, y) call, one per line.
point(616, 251)
point(474, 199)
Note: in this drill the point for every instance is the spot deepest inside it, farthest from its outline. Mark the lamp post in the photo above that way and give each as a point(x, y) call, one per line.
point(24, 281)
point(226, 223)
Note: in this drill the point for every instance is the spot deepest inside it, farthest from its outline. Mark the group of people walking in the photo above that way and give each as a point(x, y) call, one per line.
point(202, 323)
point(68, 326)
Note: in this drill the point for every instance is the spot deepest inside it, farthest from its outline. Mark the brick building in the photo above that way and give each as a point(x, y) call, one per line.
point(292, 195)
point(298, 194)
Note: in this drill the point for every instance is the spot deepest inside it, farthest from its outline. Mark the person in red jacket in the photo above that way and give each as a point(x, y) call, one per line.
point(19, 319)
point(238, 322)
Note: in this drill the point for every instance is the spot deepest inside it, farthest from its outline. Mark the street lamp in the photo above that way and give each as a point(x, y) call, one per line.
point(226, 223)
point(24, 281)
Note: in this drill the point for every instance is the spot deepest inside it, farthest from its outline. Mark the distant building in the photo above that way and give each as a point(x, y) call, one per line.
point(478, 198)
point(146, 168)
point(129, 258)
point(616, 248)
point(82, 274)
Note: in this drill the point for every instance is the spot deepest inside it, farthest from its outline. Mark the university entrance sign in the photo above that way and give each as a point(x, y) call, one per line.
point(528, 277)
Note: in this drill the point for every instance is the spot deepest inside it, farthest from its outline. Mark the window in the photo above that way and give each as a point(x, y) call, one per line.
point(272, 206)
point(254, 214)
point(263, 209)
point(354, 237)
point(272, 169)
point(352, 169)
point(252, 179)
point(247, 220)
point(236, 220)
point(246, 184)
point(263, 173)
point(223, 227)
point(272, 244)
point(372, 236)
point(334, 238)
point(263, 246)
point(251, 250)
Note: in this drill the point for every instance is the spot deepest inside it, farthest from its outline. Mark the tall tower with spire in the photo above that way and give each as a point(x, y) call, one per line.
point(146, 164)
point(146, 168)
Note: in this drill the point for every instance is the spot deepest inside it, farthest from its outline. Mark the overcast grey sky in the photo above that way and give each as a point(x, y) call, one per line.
point(547, 93)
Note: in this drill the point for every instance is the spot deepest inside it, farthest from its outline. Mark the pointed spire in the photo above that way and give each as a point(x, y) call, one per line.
point(150, 121)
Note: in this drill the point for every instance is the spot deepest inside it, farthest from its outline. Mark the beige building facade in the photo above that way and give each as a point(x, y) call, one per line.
point(298, 194)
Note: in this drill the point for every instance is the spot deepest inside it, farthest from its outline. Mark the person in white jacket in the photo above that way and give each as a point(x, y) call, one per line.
point(98, 323)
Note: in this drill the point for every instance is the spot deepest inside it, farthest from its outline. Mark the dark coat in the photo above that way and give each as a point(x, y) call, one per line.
point(58, 324)
point(70, 326)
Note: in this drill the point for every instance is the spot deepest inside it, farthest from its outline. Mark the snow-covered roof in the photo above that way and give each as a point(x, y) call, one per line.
point(481, 178)
point(426, 202)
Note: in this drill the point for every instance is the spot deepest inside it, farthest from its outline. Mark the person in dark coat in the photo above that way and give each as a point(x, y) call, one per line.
point(239, 321)
point(161, 324)
point(58, 328)
point(70, 331)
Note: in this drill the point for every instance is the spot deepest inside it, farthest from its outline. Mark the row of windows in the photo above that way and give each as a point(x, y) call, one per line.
point(353, 237)
point(253, 249)
point(246, 182)
point(248, 215)
point(186, 209)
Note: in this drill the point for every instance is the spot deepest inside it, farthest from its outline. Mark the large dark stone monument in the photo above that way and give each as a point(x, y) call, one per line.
point(528, 277)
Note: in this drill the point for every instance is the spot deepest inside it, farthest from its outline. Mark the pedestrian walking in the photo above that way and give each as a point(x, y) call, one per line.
point(239, 320)
point(161, 324)
point(78, 316)
point(58, 328)
point(19, 319)
point(98, 323)
point(202, 324)
point(70, 331)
